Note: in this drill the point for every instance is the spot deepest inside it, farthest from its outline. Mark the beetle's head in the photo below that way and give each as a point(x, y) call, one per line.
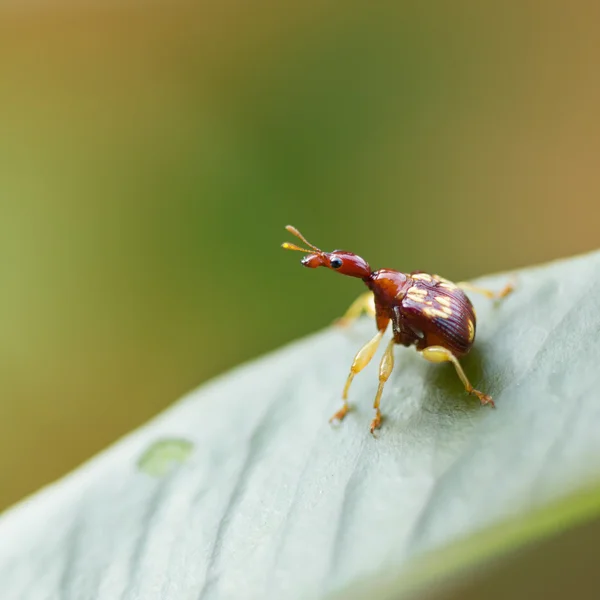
point(346, 263)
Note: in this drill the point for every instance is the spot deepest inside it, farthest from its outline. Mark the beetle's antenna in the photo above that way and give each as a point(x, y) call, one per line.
point(289, 246)
point(295, 232)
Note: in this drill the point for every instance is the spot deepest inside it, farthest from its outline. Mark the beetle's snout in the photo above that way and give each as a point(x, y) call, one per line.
point(313, 261)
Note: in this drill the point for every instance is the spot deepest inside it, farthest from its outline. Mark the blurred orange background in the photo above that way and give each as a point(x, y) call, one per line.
point(151, 156)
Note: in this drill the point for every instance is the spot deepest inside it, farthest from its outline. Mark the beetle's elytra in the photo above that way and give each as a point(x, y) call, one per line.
point(426, 311)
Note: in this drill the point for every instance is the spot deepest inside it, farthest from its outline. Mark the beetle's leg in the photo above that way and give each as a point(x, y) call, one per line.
point(385, 370)
point(439, 354)
point(364, 303)
point(361, 360)
point(505, 291)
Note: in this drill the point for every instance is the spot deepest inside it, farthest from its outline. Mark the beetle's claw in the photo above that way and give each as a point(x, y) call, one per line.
point(376, 422)
point(484, 398)
point(509, 288)
point(340, 414)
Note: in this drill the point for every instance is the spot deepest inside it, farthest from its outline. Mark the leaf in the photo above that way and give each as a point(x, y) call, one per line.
point(273, 502)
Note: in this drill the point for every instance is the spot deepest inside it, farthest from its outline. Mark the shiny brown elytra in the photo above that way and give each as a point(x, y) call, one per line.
point(426, 311)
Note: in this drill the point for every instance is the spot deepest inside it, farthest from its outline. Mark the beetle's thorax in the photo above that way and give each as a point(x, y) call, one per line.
point(387, 285)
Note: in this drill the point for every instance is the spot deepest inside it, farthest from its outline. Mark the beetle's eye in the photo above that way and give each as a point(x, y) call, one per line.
point(336, 263)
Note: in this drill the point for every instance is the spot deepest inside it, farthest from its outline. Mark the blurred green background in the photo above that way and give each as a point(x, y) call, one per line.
point(150, 156)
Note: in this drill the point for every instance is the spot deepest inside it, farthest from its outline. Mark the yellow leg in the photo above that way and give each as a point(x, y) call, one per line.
point(364, 303)
point(505, 291)
point(439, 354)
point(385, 370)
point(361, 360)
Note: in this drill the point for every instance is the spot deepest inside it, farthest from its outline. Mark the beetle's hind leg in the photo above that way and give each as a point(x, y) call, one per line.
point(439, 354)
point(364, 303)
point(505, 291)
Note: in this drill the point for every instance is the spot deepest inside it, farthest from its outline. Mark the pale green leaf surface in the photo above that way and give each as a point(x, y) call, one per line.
point(273, 502)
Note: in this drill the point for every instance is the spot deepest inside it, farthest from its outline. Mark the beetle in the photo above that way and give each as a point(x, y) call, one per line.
point(427, 311)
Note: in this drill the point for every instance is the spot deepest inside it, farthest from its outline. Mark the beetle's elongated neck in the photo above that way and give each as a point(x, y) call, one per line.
point(345, 263)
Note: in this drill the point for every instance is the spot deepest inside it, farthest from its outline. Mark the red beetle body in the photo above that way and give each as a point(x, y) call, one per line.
point(426, 311)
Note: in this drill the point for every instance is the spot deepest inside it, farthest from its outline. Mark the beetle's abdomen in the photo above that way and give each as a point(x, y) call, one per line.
point(439, 313)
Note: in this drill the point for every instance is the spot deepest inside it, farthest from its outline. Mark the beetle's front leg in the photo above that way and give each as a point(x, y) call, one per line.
point(364, 303)
point(361, 360)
